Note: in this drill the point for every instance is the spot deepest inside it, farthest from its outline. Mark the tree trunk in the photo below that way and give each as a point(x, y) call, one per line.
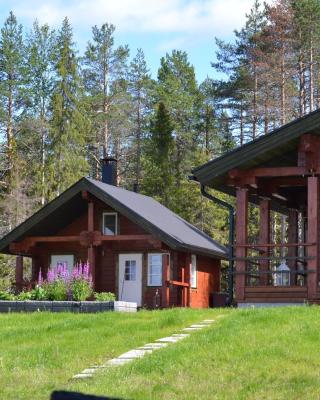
point(311, 77)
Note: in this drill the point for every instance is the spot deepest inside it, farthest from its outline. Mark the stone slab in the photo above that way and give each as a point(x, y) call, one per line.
point(169, 339)
point(82, 376)
point(153, 346)
point(138, 353)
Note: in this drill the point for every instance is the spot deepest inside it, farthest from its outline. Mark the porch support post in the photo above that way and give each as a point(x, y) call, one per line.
point(19, 273)
point(165, 298)
point(312, 234)
point(91, 261)
point(264, 237)
point(241, 238)
point(292, 238)
point(91, 249)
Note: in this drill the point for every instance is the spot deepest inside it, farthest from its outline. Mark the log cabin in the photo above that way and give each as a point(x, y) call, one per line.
point(278, 172)
point(136, 247)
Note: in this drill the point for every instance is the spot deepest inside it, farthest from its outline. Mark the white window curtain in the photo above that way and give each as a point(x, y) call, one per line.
point(154, 269)
point(193, 271)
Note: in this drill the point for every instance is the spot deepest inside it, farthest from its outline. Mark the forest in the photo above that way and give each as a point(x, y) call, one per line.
point(61, 111)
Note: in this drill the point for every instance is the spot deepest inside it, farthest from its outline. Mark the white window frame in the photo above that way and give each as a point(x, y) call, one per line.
point(149, 267)
point(193, 272)
point(116, 222)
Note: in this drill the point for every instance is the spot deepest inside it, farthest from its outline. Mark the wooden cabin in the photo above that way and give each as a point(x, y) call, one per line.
point(136, 248)
point(277, 172)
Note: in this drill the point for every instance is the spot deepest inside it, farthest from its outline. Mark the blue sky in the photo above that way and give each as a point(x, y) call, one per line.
point(157, 26)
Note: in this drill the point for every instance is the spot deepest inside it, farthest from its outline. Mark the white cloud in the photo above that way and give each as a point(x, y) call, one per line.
point(192, 17)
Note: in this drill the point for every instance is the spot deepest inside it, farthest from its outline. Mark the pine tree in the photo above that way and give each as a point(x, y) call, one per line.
point(104, 76)
point(140, 85)
point(12, 80)
point(40, 48)
point(158, 178)
point(177, 88)
point(68, 125)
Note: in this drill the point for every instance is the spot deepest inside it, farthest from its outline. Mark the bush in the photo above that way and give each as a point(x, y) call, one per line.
point(24, 296)
point(81, 289)
point(56, 290)
point(39, 293)
point(6, 295)
point(105, 296)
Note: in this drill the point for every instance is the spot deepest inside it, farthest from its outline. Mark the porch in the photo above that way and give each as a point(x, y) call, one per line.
point(281, 268)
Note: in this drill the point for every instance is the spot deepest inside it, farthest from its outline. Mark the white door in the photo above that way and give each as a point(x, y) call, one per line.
point(130, 277)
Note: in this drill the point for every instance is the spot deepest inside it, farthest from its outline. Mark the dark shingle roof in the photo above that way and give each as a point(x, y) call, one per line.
point(143, 210)
point(274, 148)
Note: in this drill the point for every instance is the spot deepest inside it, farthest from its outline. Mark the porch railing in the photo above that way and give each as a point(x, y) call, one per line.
point(262, 269)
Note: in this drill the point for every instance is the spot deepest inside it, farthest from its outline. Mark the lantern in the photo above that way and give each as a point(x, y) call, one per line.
point(282, 276)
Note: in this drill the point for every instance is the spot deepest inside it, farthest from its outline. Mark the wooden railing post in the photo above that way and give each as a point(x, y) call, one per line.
point(313, 228)
point(241, 238)
point(264, 237)
point(292, 238)
point(165, 298)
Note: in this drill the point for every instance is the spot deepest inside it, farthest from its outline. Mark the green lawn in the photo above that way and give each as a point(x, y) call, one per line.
point(40, 352)
point(246, 354)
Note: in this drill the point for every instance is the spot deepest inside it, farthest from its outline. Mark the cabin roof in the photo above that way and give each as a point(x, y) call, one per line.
point(142, 210)
point(275, 149)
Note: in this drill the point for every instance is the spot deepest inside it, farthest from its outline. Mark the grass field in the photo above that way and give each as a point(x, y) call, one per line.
point(246, 354)
point(40, 352)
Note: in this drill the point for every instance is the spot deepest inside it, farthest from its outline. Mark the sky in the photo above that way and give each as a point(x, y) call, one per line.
point(156, 26)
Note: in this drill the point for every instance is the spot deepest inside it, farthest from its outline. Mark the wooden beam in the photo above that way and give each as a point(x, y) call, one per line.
point(308, 152)
point(264, 236)
point(178, 283)
point(115, 238)
point(242, 178)
point(90, 216)
point(241, 238)
point(165, 298)
point(19, 273)
point(312, 234)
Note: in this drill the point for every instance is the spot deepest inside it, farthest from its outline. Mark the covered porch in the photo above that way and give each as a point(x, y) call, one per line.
point(275, 180)
point(283, 269)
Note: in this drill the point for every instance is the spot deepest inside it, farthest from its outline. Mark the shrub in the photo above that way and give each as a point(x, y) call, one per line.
point(105, 296)
point(56, 290)
point(6, 295)
point(24, 296)
point(39, 293)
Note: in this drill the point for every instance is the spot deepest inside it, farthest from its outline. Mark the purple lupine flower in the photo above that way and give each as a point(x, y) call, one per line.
point(40, 279)
point(86, 269)
point(50, 275)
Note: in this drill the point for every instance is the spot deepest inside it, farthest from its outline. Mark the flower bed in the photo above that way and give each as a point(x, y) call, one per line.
point(64, 290)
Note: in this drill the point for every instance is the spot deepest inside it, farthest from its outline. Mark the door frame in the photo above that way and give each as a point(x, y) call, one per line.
point(119, 283)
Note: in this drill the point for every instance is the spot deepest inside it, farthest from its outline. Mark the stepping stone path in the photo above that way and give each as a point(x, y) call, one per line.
point(143, 350)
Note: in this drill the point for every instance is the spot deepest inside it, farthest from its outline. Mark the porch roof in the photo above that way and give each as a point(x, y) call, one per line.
point(275, 149)
point(142, 210)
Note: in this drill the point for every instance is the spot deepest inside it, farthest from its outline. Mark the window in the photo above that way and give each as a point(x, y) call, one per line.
point(193, 272)
point(59, 260)
point(130, 270)
point(154, 269)
point(109, 224)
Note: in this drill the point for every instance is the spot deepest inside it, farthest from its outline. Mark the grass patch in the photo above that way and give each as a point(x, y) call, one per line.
point(40, 352)
point(247, 354)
